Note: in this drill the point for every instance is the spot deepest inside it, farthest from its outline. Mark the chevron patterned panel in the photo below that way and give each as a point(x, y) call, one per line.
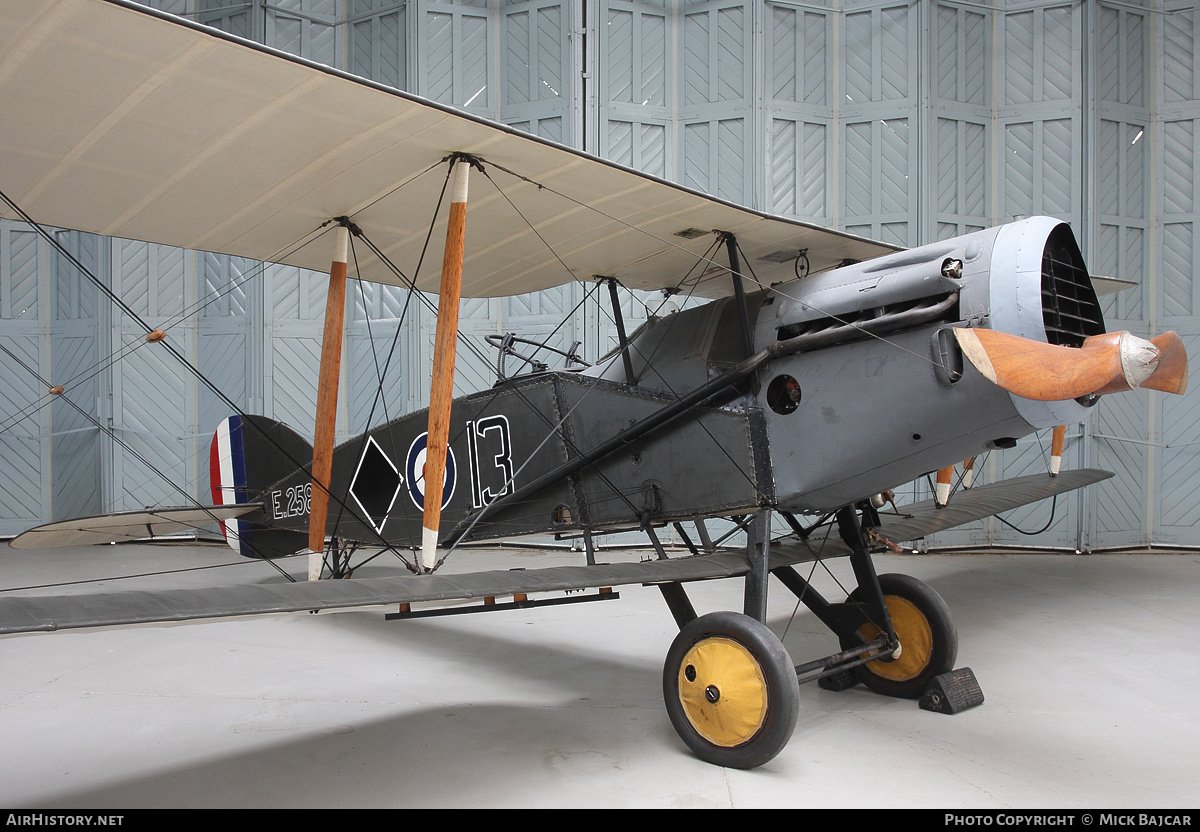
point(309, 32)
point(732, 52)
point(894, 52)
point(454, 55)
point(1119, 503)
point(858, 152)
point(1058, 52)
point(149, 278)
point(1179, 275)
point(785, 157)
point(292, 385)
point(814, 61)
point(552, 59)
point(785, 55)
point(286, 32)
point(438, 57)
point(242, 19)
point(378, 44)
point(699, 52)
point(223, 359)
point(76, 444)
point(1019, 76)
point(152, 395)
point(961, 55)
point(22, 422)
point(1120, 187)
point(179, 7)
point(1179, 163)
point(25, 417)
point(894, 162)
point(75, 296)
point(1108, 160)
point(1121, 56)
point(698, 156)
point(520, 83)
point(21, 264)
point(878, 169)
point(1178, 464)
point(224, 282)
point(1133, 267)
point(366, 362)
point(1179, 33)
point(475, 59)
point(858, 78)
point(1060, 184)
point(619, 63)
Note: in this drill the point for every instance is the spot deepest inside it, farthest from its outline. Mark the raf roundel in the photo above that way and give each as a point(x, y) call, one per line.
point(414, 472)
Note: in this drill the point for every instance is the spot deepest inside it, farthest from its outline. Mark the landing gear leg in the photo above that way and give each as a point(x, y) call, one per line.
point(928, 639)
point(908, 611)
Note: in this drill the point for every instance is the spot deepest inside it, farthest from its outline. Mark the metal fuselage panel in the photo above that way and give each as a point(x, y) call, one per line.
point(508, 437)
point(872, 416)
point(879, 411)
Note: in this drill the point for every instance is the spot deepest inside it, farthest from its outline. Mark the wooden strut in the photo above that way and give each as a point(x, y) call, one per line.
point(441, 391)
point(327, 392)
point(1057, 439)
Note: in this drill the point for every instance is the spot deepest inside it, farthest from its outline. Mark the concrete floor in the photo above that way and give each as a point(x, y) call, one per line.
point(1090, 701)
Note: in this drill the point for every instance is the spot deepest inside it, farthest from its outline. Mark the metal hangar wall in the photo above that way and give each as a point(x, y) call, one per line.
point(907, 121)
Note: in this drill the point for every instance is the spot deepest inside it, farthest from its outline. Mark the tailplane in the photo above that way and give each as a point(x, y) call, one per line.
point(247, 456)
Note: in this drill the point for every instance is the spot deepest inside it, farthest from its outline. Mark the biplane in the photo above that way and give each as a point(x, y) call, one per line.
point(821, 370)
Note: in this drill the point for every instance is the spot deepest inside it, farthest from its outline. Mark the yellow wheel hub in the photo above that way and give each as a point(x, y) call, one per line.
point(723, 691)
point(916, 641)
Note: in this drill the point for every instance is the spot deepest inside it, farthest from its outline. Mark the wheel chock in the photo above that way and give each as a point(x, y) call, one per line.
point(837, 682)
point(952, 692)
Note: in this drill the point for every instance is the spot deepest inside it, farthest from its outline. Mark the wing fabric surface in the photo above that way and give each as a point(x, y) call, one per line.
point(27, 614)
point(126, 122)
point(45, 614)
point(127, 526)
point(926, 518)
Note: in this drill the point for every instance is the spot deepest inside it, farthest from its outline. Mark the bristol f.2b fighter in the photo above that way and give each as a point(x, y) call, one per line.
point(823, 369)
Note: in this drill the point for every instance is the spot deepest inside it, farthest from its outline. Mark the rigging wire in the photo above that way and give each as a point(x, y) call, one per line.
point(229, 402)
point(630, 341)
point(195, 371)
point(379, 394)
point(680, 247)
point(112, 435)
point(496, 391)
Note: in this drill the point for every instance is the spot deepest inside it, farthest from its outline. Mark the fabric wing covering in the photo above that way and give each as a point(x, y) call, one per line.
point(126, 122)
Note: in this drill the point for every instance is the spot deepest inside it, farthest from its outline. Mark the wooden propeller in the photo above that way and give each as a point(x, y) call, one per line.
point(1172, 373)
point(1108, 363)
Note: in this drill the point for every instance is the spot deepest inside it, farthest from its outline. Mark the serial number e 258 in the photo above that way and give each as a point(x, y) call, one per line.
point(291, 502)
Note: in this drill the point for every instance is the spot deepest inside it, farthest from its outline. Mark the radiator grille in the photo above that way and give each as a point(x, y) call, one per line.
point(1070, 311)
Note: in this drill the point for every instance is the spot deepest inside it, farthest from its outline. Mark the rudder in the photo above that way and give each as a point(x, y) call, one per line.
point(248, 454)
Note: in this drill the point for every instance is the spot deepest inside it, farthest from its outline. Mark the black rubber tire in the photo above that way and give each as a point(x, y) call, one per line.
point(729, 647)
point(920, 616)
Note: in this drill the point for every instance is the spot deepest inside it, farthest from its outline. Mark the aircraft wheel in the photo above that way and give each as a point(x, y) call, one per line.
point(731, 690)
point(928, 639)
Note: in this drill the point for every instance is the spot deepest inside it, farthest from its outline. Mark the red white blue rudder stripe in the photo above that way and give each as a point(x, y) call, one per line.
point(227, 473)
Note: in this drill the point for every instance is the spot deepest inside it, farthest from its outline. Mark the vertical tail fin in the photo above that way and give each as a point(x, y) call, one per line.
point(248, 454)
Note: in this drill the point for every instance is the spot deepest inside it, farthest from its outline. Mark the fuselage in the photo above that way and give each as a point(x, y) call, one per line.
point(861, 388)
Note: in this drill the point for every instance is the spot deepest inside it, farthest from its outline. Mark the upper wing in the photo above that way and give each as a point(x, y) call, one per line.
point(130, 123)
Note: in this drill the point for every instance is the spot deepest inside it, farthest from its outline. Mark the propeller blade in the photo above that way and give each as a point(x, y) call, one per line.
point(1172, 373)
point(1044, 372)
